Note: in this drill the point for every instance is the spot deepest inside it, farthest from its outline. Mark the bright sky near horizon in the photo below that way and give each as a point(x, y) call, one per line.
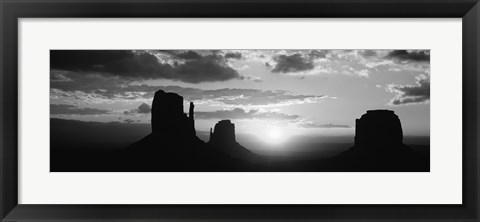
point(270, 93)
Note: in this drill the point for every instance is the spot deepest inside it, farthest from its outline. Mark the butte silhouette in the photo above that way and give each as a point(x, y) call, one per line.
point(222, 138)
point(173, 144)
point(379, 146)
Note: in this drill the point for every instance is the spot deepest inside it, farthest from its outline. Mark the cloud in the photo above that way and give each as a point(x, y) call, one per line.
point(409, 55)
point(207, 69)
point(65, 109)
point(349, 70)
point(318, 125)
point(368, 53)
point(87, 86)
point(361, 63)
point(270, 57)
point(189, 55)
point(59, 77)
point(379, 60)
point(318, 54)
point(185, 66)
point(292, 63)
point(363, 73)
point(91, 88)
point(375, 63)
point(233, 55)
point(248, 98)
point(254, 78)
point(239, 113)
point(394, 70)
point(411, 94)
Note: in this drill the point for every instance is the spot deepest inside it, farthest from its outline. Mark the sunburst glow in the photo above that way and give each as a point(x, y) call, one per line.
point(274, 135)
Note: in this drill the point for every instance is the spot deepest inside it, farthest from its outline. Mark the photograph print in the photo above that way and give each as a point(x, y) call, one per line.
point(218, 110)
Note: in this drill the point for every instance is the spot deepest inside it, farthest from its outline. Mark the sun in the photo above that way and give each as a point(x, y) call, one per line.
point(274, 136)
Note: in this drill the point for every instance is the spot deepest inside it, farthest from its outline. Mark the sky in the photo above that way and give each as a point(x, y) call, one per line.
point(269, 94)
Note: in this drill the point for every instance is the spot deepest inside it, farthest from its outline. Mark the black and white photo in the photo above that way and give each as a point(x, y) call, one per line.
point(219, 110)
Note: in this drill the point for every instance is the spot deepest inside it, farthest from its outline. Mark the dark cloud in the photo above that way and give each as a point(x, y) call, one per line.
point(189, 55)
point(292, 63)
point(191, 67)
point(233, 55)
point(408, 94)
point(209, 68)
point(318, 125)
point(409, 56)
point(242, 114)
point(65, 109)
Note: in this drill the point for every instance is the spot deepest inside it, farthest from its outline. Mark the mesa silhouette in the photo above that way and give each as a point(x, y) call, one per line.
point(173, 146)
point(222, 138)
point(379, 147)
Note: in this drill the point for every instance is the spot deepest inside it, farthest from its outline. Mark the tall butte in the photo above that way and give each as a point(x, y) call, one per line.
point(168, 118)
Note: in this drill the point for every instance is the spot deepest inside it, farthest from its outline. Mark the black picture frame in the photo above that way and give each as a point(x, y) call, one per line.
point(12, 10)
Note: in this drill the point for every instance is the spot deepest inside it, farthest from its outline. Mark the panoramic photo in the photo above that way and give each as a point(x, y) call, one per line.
point(282, 110)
